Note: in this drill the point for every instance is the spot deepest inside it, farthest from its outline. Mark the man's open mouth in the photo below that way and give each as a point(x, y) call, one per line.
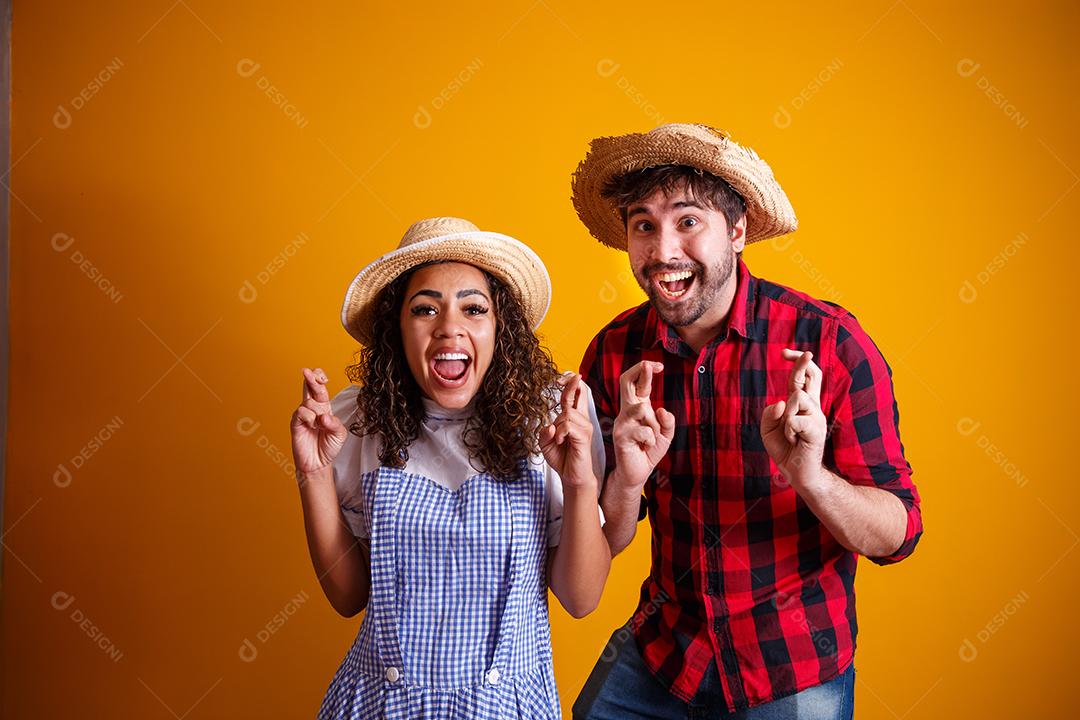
point(673, 285)
point(450, 368)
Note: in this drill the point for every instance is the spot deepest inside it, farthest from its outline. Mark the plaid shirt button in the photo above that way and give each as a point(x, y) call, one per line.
point(393, 674)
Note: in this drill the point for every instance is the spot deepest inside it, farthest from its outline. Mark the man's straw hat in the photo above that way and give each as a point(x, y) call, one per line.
point(453, 240)
point(768, 211)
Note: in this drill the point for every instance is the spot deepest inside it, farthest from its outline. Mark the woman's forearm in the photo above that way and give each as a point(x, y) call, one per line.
point(579, 565)
point(341, 560)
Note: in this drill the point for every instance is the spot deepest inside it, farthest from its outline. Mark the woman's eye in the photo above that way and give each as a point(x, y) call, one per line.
point(422, 310)
point(476, 310)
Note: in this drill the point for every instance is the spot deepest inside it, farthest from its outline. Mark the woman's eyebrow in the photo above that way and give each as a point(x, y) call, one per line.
point(471, 291)
point(427, 293)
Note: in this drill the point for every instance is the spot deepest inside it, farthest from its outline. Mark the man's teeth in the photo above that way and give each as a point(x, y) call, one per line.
point(451, 356)
point(673, 276)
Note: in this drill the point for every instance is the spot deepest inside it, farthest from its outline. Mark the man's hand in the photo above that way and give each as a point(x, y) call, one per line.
point(794, 431)
point(641, 435)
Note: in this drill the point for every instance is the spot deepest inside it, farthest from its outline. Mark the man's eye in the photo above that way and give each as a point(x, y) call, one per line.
point(476, 310)
point(643, 226)
point(422, 310)
point(690, 221)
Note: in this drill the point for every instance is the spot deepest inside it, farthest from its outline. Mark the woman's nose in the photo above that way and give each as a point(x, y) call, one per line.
point(449, 325)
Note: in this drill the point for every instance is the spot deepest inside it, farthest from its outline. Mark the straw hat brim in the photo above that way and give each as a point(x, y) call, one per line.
point(768, 210)
point(509, 260)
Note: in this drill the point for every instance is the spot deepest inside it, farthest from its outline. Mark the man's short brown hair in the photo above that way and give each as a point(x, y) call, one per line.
point(629, 188)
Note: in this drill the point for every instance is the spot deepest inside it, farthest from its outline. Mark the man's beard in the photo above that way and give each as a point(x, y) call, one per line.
point(707, 286)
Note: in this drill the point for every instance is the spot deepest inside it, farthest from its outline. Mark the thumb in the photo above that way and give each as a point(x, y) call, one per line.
point(771, 417)
point(667, 423)
point(331, 423)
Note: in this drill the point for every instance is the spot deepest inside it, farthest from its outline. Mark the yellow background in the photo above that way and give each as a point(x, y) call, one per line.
point(917, 141)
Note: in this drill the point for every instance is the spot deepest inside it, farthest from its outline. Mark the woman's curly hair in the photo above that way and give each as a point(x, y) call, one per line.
point(513, 402)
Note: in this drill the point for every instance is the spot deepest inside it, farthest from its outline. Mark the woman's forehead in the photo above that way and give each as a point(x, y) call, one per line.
point(450, 276)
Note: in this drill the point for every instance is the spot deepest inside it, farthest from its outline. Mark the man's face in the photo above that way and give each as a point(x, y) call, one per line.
point(682, 254)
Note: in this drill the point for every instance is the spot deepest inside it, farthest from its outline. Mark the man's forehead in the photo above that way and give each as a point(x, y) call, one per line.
point(663, 199)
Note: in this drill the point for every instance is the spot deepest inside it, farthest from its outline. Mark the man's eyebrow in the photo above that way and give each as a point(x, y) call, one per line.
point(636, 209)
point(471, 291)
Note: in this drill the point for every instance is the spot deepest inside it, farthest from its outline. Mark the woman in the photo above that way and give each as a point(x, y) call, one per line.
point(452, 486)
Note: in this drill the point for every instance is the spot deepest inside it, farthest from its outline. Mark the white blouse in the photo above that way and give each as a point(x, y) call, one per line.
point(439, 454)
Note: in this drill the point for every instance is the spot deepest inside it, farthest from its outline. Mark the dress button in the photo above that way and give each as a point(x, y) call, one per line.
point(493, 676)
point(393, 674)
point(701, 369)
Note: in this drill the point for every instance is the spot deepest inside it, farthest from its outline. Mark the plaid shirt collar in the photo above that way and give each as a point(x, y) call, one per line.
point(740, 319)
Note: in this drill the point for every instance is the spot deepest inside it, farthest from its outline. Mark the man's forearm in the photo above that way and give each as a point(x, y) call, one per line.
point(621, 503)
point(864, 519)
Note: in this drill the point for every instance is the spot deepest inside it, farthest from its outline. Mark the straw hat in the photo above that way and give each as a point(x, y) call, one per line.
point(768, 211)
point(453, 240)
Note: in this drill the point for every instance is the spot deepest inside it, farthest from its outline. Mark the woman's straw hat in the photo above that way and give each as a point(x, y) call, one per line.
point(768, 211)
point(452, 240)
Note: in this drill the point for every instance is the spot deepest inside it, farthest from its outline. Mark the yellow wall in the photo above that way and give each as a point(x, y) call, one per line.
point(181, 241)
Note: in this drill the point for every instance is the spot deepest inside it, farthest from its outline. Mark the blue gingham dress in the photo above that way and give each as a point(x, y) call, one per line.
point(457, 621)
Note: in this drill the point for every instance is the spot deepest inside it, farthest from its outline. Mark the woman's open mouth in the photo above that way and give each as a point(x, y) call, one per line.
point(450, 368)
point(673, 285)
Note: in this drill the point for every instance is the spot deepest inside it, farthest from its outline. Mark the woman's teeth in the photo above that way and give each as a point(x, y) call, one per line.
point(450, 365)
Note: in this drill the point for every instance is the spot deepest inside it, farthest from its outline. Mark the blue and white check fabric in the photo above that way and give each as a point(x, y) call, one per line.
point(457, 622)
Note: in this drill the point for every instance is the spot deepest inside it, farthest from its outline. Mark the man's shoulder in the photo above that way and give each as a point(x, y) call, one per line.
point(849, 338)
point(801, 303)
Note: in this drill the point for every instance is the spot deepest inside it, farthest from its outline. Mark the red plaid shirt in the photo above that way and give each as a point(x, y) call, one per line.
point(742, 570)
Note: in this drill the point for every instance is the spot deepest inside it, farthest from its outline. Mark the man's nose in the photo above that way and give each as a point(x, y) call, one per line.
point(668, 246)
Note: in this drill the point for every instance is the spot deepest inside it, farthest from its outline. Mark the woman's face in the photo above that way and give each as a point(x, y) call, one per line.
point(448, 330)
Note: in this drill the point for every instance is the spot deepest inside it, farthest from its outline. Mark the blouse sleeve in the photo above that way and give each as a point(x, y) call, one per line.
point(553, 483)
point(349, 464)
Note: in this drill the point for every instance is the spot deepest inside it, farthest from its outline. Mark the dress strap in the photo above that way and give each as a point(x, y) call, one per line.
point(523, 550)
point(386, 488)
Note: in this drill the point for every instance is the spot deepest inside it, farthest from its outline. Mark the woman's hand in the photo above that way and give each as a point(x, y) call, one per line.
point(317, 435)
point(566, 442)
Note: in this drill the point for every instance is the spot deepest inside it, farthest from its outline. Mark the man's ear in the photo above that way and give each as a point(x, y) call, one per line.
point(738, 234)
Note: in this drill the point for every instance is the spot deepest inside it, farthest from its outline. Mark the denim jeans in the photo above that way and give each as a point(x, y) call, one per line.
point(622, 688)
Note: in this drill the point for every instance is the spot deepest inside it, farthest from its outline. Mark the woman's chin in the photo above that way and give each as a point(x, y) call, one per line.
point(450, 396)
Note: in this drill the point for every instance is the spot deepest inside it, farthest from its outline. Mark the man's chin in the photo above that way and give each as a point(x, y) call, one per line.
point(677, 314)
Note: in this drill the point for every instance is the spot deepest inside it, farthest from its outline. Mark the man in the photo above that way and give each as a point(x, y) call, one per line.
point(754, 425)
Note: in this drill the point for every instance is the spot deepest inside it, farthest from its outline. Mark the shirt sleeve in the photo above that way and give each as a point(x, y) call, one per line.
point(553, 483)
point(348, 465)
point(592, 373)
point(864, 443)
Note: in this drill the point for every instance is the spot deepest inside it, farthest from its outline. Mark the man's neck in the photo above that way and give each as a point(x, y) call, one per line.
point(702, 331)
